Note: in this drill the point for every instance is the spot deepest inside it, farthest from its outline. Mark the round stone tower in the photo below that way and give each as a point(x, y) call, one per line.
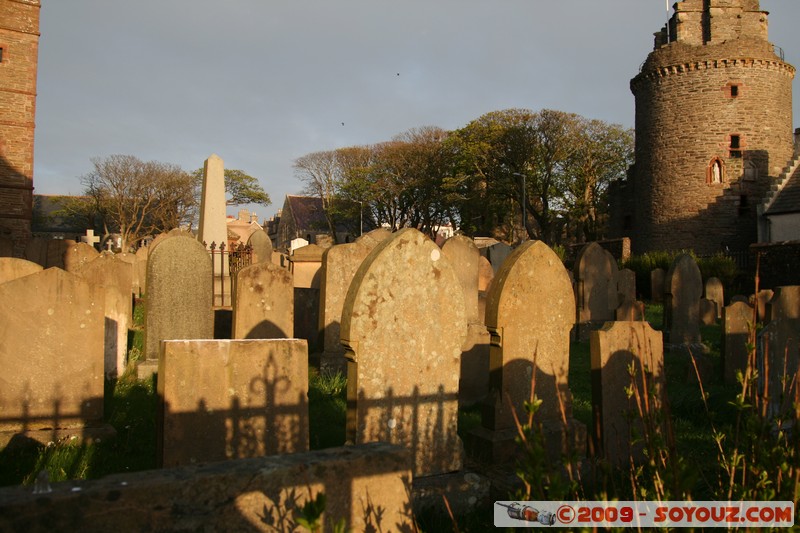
point(713, 129)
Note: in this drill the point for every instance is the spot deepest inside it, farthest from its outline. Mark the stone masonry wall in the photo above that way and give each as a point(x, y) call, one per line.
point(19, 41)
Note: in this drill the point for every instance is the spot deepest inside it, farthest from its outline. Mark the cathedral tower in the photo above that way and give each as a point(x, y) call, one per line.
point(19, 53)
point(713, 130)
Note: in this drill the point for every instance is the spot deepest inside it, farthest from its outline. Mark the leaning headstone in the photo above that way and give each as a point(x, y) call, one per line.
point(261, 245)
point(529, 313)
point(78, 255)
point(231, 399)
point(683, 288)
point(737, 322)
point(716, 293)
point(708, 312)
point(12, 268)
point(178, 298)
point(51, 356)
point(616, 349)
point(596, 296)
point(264, 304)
point(657, 285)
point(403, 325)
point(115, 277)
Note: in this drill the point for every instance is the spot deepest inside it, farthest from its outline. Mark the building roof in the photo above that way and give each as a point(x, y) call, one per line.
point(307, 213)
point(788, 198)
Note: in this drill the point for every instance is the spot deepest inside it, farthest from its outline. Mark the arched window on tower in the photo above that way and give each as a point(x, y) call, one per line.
point(716, 171)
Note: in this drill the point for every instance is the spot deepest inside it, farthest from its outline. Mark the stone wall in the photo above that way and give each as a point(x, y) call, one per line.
point(19, 41)
point(367, 486)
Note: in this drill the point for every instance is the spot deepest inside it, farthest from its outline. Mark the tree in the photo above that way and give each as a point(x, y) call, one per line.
point(137, 198)
point(242, 188)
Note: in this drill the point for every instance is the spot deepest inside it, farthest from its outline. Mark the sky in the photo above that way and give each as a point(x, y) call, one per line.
point(263, 82)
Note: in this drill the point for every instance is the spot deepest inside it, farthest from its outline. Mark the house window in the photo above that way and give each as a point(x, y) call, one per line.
point(715, 172)
point(735, 146)
point(734, 91)
point(744, 208)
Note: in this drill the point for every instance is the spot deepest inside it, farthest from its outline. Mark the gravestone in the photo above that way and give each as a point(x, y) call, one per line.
point(306, 267)
point(740, 298)
point(90, 238)
point(626, 286)
point(264, 304)
point(474, 381)
point(485, 277)
point(12, 268)
point(140, 267)
point(530, 312)
point(339, 266)
point(403, 325)
point(178, 297)
point(51, 356)
point(261, 244)
point(630, 311)
point(231, 399)
point(497, 254)
point(683, 288)
point(707, 312)
point(616, 348)
point(213, 228)
point(463, 255)
point(778, 354)
point(657, 285)
point(762, 299)
point(56, 251)
point(596, 298)
point(737, 321)
point(716, 293)
point(115, 278)
point(77, 255)
point(374, 237)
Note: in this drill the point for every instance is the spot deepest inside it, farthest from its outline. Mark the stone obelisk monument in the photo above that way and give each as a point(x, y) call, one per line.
point(213, 226)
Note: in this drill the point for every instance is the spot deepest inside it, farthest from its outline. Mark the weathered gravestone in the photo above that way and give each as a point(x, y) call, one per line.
point(339, 266)
point(261, 245)
point(51, 356)
point(12, 268)
point(761, 300)
point(596, 296)
point(707, 312)
point(497, 254)
point(657, 285)
point(474, 381)
point(231, 399)
point(626, 286)
point(716, 293)
point(115, 278)
point(263, 307)
point(778, 355)
point(403, 325)
point(140, 267)
point(630, 311)
point(616, 349)
point(683, 288)
point(306, 266)
point(737, 323)
point(529, 313)
point(178, 298)
point(485, 277)
point(77, 255)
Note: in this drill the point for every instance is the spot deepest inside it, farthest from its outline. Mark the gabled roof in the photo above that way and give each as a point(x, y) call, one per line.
point(788, 198)
point(307, 213)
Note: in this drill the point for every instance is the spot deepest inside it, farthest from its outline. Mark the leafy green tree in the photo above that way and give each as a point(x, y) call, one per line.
point(241, 187)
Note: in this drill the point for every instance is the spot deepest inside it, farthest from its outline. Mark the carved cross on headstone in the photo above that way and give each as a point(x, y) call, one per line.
point(90, 237)
point(109, 245)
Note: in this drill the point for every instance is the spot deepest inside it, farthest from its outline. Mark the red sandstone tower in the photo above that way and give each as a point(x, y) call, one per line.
point(19, 52)
point(713, 130)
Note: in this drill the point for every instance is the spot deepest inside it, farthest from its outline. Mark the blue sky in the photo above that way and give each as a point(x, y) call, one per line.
point(263, 82)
